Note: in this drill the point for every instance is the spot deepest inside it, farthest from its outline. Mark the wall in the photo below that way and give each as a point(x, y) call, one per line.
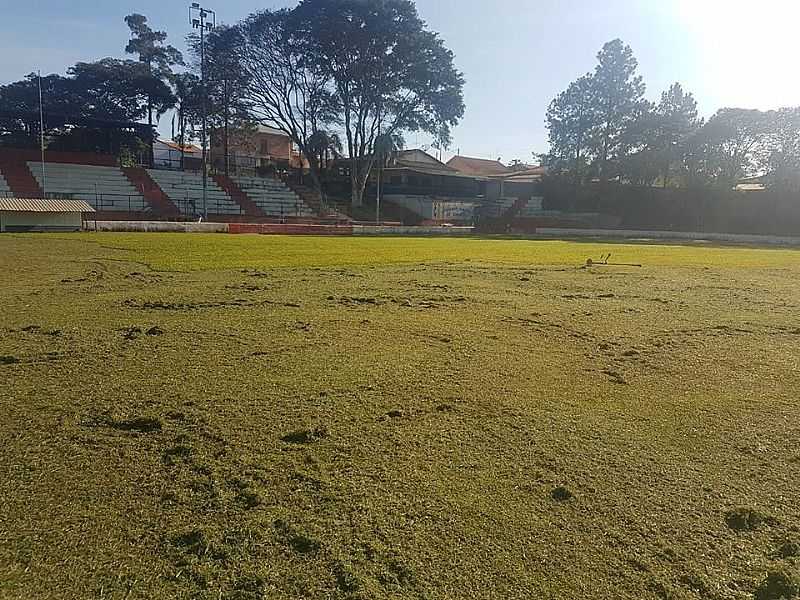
point(435, 209)
point(39, 221)
point(274, 228)
point(80, 158)
point(162, 226)
point(616, 234)
point(700, 210)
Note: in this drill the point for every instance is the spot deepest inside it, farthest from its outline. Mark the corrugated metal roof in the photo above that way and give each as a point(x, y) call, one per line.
point(44, 205)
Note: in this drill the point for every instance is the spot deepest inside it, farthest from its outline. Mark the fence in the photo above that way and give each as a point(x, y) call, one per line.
point(237, 164)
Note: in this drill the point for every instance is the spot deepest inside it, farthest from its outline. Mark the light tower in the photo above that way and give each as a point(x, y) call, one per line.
point(205, 20)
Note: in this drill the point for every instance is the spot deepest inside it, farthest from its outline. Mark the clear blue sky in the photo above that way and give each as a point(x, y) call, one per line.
point(516, 54)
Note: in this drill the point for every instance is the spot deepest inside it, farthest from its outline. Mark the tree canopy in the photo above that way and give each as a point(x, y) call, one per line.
point(153, 52)
point(361, 68)
point(601, 127)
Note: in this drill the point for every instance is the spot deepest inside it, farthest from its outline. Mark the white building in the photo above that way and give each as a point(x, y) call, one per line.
point(21, 214)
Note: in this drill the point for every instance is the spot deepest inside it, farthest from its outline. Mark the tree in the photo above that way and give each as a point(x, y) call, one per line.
point(386, 146)
point(324, 147)
point(387, 74)
point(188, 95)
point(783, 157)
point(149, 46)
point(570, 123)
point(733, 144)
point(655, 139)
point(19, 108)
point(225, 83)
point(120, 90)
point(618, 98)
point(283, 88)
point(78, 108)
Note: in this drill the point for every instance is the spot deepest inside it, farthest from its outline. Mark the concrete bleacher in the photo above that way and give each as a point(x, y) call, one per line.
point(185, 190)
point(105, 188)
point(273, 197)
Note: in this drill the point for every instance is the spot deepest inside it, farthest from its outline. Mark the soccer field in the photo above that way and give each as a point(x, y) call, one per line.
point(242, 417)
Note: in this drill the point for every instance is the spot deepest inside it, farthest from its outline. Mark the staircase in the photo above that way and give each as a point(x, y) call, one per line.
point(155, 197)
point(20, 180)
point(249, 207)
point(313, 200)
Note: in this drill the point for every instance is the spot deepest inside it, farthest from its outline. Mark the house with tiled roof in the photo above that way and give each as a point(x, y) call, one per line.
point(479, 167)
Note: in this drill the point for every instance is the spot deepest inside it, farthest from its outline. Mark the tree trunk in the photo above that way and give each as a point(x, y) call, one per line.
point(227, 126)
point(154, 137)
point(182, 129)
point(356, 190)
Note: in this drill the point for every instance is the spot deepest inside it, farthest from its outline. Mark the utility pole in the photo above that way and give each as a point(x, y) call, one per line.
point(205, 20)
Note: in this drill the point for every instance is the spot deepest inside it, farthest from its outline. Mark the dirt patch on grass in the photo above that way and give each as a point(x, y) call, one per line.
point(297, 541)
point(561, 494)
point(781, 584)
point(306, 436)
point(746, 519)
point(789, 549)
point(136, 424)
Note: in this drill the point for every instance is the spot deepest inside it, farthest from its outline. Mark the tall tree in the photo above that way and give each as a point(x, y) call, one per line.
point(676, 120)
point(570, 122)
point(655, 140)
point(150, 47)
point(284, 88)
point(108, 90)
point(388, 74)
point(619, 101)
point(783, 157)
point(188, 94)
point(735, 144)
point(19, 108)
point(225, 83)
point(121, 90)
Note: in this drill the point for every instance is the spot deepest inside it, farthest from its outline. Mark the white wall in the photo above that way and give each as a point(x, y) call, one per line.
point(39, 221)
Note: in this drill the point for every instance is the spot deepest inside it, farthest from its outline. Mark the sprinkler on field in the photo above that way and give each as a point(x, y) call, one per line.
point(604, 262)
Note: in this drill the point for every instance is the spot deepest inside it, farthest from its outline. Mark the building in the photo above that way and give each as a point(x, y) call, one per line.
point(479, 167)
point(261, 148)
point(433, 190)
point(170, 155)
point(20, 214)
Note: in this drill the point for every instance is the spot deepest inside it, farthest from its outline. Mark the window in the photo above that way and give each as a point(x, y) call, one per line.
point(264, 149)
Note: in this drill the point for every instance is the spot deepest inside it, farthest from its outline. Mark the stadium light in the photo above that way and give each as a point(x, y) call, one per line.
point(203, 19)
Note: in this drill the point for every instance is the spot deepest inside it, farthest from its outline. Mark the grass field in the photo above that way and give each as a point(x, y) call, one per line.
point(243, 417)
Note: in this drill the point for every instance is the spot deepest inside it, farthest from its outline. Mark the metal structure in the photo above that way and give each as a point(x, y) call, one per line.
point(205, 20)
point(41, 136)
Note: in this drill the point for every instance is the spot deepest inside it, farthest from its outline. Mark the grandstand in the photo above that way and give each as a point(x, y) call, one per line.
point(185, 190)
point(104, 188)
point(272, 197)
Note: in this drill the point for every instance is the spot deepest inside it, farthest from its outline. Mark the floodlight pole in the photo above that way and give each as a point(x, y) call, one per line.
point(200, 22)
point(41, 137)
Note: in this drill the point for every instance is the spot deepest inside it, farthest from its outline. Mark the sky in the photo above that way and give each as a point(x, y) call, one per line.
point(516, 55)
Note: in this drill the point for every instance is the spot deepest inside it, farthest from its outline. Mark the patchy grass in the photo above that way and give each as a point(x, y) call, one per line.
point(192, 416)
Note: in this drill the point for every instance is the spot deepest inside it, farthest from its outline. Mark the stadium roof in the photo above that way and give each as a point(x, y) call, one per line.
point(44, 205)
